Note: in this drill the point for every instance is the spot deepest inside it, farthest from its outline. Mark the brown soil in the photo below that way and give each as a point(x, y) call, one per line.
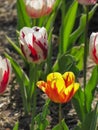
point(11, 109)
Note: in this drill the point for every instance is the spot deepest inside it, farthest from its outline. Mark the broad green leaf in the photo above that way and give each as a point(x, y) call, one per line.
point(40, 119)
point(16, 126)
point(41, 124)
point(22, 80)
point(90, 88)
point(61, 126)
point(78, 127)
point(77, 52)
point(52, 16)
point(20, 74)
point(23, 18)
point(67, 26)
point(79, 102)
point(65, 63)
point(91, 120)
point(75, 35)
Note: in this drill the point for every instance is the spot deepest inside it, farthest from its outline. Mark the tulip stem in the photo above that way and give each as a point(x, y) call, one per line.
point(85, 54)
point(34, 92)
point(85, 46)
point(60, 112)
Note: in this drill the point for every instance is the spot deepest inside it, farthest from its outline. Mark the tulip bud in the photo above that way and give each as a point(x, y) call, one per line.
point(34, 43)
point(87, 2)
point(93, 47)
point(5, 74)
point(39, 8)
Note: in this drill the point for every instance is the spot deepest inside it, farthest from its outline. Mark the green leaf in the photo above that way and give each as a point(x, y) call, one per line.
point(65, 63)
point(40, 119)
point(75, 35)
point(67, 26)
point(79, 102)
point(61, 126)
point(22, 80)
point(90, 88)
point(78, 127)
point(52, 16)
point(77, 52)
point(23, 18)
point(14, 45)
point(21, 75)
point(91, 120)
point(16, 126)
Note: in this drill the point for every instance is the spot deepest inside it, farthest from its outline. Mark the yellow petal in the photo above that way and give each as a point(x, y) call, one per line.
point(41, 85)
point(56, 80)
point(68, 89)
point(54, 76)
point(76, 87)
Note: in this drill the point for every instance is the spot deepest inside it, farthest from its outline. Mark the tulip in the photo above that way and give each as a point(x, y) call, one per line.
point(87, 2)
point(93, 47)
point(59, 88)
point(5, 74)
point(34, 43)
point(39, 8)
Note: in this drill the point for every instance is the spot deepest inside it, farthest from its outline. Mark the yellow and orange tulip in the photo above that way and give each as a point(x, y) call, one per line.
point(59, 88)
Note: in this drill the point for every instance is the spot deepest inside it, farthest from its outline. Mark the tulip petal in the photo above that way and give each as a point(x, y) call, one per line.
point(69, 78)
point(56, 79)
point(5, 70)
point(42, 85)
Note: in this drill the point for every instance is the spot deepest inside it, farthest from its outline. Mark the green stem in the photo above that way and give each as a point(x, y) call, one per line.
point(33, 110)
point(33, 90)
point(60, 112)
point(85, 54)
point(85, 46)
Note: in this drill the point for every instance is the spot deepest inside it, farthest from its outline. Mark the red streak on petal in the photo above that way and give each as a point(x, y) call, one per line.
point(33, 53)
point(23, 35)
point(22, 48)
point(44, 49)
point(33, 39)
point(94, 50)
point(68, 80)
point(70, 95)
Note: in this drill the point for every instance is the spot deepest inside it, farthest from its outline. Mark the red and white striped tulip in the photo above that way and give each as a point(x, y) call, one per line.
point(39, 8)
point(93, 47)
point(87, 2)
point(5, 74)
point(34, 43)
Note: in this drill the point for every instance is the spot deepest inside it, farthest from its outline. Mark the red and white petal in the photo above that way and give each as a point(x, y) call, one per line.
point(5, 74)
point(93, 47)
